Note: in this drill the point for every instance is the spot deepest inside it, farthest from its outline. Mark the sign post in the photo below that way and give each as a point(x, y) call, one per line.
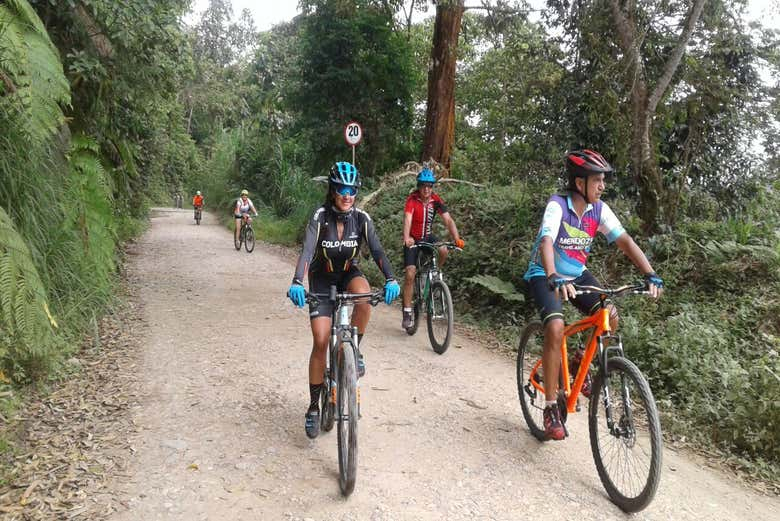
point(353, 135)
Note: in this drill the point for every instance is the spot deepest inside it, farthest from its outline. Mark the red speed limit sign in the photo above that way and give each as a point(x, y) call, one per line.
point(353, 133)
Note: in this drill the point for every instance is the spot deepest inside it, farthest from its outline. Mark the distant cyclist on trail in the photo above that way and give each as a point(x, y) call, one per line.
point(421, 207)
point(330, 255)
point(558, 260)
point(197, 202)
point(242, 210)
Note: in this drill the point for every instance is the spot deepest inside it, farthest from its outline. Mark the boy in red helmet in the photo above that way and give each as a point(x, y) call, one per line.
point(558, 259)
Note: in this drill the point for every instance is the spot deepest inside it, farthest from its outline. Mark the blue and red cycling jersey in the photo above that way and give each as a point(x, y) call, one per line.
point(572, 235)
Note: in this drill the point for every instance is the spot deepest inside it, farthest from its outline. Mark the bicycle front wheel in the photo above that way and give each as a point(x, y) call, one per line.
point(249, 240)
point(529, 372)
point(440, 316)
point(347, 419)
point(326, 404)
point(415, 316)
point(625, 435)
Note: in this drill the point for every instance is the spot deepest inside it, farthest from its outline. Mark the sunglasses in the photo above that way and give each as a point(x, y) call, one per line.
point(345, 191)
point(425, 185)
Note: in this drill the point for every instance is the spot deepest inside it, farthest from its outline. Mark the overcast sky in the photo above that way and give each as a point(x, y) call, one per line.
point(265, 13)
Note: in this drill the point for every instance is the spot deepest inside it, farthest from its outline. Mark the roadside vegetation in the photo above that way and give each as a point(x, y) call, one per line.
point(101, 123)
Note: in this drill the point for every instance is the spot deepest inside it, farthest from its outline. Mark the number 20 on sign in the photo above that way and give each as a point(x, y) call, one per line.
point(353, 134)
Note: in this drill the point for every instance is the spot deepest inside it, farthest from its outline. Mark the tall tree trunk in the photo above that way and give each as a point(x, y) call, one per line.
point(644, 103)
point(645, 169)
point(440, 112)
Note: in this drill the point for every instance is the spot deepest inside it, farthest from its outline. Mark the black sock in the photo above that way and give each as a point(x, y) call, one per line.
point(314, 395)
point(360, 339)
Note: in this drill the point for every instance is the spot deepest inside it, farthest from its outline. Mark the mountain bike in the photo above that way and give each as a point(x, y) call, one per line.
point(246, 235)
point(198, 214)
point(624, 427)
point(432, 295)
point(340, 395)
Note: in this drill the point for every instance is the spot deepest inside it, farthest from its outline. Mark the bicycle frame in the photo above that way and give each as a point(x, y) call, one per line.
point(341, 331)
point(599, 322)
point(427, 272)
point(427, 266)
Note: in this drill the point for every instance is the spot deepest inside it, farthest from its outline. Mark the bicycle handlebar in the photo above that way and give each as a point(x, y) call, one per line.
point(639, 288)
point(373, 298)
point(434, 245)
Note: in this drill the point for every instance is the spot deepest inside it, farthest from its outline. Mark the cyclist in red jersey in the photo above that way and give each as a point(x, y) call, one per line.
point(421, 207)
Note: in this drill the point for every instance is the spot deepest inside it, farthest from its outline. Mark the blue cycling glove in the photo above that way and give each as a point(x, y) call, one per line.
point(555, 281)
point(654, 279)
point(392, 289)
point(297, 294)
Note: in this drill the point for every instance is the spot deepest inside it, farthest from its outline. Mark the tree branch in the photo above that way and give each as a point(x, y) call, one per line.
point(676, 56)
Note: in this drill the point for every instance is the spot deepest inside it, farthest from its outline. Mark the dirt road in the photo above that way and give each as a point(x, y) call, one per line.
point(223, 390)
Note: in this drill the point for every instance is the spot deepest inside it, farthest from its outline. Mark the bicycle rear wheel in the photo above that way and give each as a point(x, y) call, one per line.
point(197, 218)
point(625, 435)
point(347, 419)
point(249, 240)
point(529, 365)
point(440, 317)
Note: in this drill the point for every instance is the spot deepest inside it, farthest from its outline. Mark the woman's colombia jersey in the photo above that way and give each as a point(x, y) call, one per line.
point(329, 254)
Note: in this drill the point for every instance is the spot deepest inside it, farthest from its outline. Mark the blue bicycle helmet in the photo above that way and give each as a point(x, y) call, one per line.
point(343, 173)
point(426, 176)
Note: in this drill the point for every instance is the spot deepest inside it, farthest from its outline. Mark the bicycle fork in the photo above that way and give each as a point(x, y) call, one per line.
point(605, 353)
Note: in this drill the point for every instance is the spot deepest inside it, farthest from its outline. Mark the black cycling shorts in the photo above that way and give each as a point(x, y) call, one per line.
point(411, 254)
point(551, 307)
point(320, 283)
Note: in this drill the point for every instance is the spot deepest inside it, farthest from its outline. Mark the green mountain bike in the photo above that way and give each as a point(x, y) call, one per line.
point(432, 296)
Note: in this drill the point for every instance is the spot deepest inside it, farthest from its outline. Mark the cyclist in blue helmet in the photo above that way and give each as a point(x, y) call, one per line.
point(330, 256)
point(421, 206)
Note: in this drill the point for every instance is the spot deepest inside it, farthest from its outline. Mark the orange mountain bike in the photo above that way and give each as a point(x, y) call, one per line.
point(625, 431)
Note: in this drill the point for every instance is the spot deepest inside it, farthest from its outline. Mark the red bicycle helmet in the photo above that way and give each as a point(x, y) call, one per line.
point(583, 163)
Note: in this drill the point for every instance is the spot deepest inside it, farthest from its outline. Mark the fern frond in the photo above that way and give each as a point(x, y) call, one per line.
point(23, 302)
point(12, 49)
point(499, 287)
point(29, 18)
point(30, 59)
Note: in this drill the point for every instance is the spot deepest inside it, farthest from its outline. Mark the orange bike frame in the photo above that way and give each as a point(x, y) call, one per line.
point(599, 322)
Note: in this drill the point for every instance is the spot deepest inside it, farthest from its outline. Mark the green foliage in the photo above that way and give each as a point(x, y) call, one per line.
point(27, 339)
point(69, 201)
point(500, 287)
point(34, 85)
point(354, 66)
point(508, 118)
point(86, 241)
